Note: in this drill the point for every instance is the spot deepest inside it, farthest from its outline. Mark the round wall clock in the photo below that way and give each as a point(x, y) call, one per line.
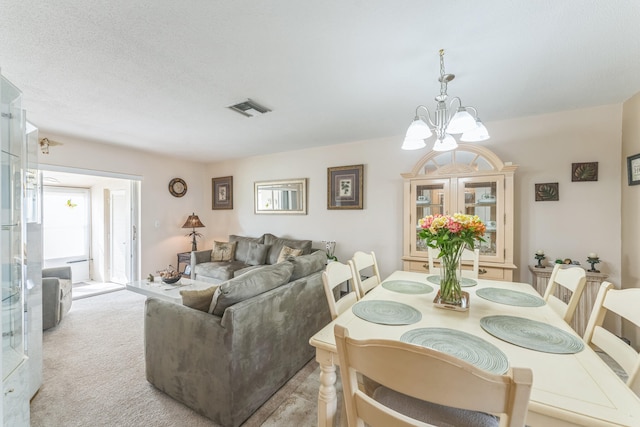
point(177, 187)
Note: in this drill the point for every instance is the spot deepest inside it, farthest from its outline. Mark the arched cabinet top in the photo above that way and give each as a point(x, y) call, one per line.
point(466, 159)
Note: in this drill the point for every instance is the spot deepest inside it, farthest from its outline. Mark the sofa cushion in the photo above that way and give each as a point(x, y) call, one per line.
point(277, 243)
point(199, 299)
point(223, 251)
point(287, 253)
point(305, 265)
point(219, 270)
point(252, 253)
point(251, 284)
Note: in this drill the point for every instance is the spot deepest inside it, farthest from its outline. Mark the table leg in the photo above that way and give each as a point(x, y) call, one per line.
point(327, 397)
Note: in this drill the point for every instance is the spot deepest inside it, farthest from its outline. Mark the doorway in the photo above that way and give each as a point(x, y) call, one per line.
point(112, 202)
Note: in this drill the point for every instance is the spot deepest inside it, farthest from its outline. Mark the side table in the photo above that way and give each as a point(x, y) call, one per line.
point(184, 258)
point(585, 305)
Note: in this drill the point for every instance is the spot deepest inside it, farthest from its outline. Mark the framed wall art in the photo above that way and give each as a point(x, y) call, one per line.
point(345, 187)
point(633, 169)
point(547, 192)
point(222, 192)
point(584, 171)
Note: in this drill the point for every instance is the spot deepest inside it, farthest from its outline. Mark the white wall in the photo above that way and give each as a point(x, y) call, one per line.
point(586, 219)
point(159, 244)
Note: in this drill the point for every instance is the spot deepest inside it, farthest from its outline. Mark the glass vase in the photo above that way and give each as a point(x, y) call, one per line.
point(450, 290)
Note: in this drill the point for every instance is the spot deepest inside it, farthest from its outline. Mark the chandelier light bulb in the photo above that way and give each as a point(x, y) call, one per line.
point(461, 122)
point(477, 134)
point(447, 143)
point(413, 144)
point(418, 129)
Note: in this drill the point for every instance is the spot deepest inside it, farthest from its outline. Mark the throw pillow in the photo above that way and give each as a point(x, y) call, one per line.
point(243, 246)
point(286, 252)
point(198, 299)
point(250, 284)
point(305, 265)
point(223, 251)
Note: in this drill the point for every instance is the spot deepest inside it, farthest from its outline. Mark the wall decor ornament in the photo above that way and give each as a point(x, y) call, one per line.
point(177, 187)
point(547, 192)
point(633, 169)
point(345, 187)
point(222, 192)
point(584, 171)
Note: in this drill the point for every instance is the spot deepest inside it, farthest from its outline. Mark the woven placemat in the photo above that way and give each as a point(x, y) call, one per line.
point(407, 287)
point(531, 334)
point(386, 312)
point(510, 297)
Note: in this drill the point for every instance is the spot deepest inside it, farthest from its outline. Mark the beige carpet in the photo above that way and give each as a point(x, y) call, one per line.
point(94, 375)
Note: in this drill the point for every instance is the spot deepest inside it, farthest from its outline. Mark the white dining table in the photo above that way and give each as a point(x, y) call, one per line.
point(568, 389)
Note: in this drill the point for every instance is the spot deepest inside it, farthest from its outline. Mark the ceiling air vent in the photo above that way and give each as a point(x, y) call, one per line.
point(249, 108)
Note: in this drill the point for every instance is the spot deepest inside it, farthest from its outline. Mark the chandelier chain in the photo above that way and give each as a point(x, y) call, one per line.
point(443, 81)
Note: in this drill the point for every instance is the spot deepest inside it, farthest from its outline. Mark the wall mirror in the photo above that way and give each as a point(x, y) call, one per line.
point(287, 196)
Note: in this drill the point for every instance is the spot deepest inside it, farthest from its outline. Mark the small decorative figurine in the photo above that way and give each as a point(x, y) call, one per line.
point(593, 259)
point(540, 256)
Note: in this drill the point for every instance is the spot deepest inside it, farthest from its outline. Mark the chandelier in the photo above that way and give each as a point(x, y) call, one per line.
point(445, 123)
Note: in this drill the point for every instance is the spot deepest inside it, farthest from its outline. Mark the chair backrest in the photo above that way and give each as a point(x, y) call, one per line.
point(427, 375)
point(572, 279)
point(474, 256)
point(365, 264)
point(624, 303)
point(333, 277)
point(467, 255)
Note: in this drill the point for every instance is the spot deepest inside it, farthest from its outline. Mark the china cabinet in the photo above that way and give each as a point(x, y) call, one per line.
point(470, 180)
point(15, 373)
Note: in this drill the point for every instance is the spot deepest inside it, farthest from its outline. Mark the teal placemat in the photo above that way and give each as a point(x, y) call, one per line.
point(510, 297)
point(407, 287)
point(386, 312)
point(462, 345)
point(465, 282)
point(531, 334)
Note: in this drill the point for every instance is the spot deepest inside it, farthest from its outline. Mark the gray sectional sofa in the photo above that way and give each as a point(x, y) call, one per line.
point(249, 253)
point(226, 364)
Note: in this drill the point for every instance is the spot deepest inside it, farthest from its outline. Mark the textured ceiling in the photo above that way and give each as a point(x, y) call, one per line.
point(158, 75)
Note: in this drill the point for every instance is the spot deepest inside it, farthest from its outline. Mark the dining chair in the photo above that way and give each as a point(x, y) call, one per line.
point(335, 275)
point(571, 279)
point(624, 303)
point(420, 386)
point(472, 255)
point(364, 269)
point(467, 255)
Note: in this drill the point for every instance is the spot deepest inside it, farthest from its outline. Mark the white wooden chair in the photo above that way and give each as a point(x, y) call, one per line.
point(416, 382)
point(365, 264)
point(573, 279)
point(624, 303)
point(467, 255)
point(335, 275)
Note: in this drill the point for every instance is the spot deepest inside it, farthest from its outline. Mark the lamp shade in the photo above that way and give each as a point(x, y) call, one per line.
point(413, 144)
point(193, 222)
point(447, 143)
point(461, 122)
point(479, 133)
point(418, 129)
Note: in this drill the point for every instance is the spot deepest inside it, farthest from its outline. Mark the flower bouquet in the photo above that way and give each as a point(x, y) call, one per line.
point(450, 234)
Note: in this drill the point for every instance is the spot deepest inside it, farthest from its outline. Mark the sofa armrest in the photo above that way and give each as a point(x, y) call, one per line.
point(59, 272)
point(198, 257)
point(50, 302)
point(187, 356)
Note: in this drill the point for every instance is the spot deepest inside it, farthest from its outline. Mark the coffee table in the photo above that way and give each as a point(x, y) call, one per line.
point(165, 291)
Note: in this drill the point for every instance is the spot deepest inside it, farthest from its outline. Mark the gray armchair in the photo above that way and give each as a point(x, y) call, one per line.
point(56, 295)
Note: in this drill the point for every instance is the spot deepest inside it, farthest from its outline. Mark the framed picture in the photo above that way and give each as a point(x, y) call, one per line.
point(584, 171)
point(344, 187)
point(633, 169)
point(222, 192)
point(547, 192)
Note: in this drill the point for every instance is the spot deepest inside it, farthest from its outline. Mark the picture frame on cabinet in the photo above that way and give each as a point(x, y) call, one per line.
point(633, 169)
point(222, 192)
point(345, 187)
point(584, 171)
point(547, 192)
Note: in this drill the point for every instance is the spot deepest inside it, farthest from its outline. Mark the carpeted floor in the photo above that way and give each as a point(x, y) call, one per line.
point(94, 375)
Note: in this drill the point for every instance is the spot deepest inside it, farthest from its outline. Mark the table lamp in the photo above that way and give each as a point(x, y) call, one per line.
point(193, 222)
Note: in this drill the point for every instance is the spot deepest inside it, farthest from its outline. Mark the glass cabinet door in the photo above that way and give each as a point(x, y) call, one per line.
point(431, 198)
point(483, 196)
